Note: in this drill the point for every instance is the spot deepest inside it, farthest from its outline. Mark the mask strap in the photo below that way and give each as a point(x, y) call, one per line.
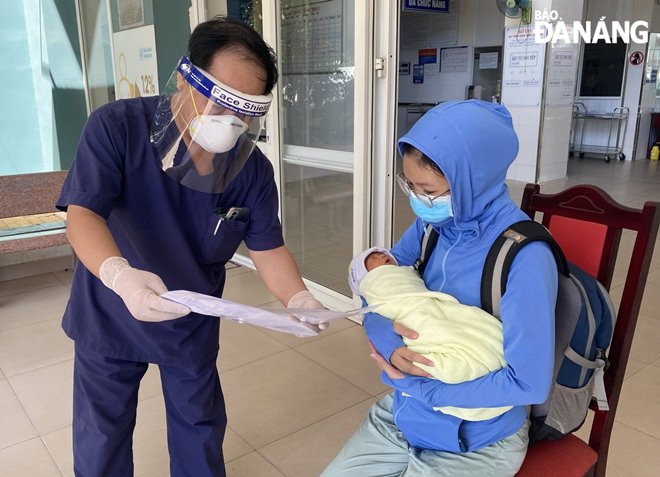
point(168, 159)
point(193, 102)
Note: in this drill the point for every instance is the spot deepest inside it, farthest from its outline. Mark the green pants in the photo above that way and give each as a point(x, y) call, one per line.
point(379, 449)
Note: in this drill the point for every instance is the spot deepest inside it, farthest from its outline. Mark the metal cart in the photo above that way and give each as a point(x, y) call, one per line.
point(617, 118)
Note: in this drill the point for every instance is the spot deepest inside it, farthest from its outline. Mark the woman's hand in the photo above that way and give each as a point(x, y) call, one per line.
point(402, 359)
point(390, 370)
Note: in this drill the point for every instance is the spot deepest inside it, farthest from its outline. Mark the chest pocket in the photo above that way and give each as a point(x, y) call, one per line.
point(219, 248)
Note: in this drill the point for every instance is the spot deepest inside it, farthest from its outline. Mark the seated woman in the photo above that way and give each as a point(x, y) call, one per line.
point(455, 160)
point(464, 342)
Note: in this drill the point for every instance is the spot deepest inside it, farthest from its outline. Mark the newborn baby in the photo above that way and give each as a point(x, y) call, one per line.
point(464, 342)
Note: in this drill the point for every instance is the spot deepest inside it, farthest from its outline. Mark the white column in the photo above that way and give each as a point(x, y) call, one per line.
point(542, 113)
point(557, 111)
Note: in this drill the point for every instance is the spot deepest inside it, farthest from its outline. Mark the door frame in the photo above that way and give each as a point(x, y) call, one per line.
point(386, 82)
point(363, 151)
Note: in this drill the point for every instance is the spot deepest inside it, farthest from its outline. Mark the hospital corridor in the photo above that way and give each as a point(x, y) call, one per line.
point(263, 151)
point(291, 402)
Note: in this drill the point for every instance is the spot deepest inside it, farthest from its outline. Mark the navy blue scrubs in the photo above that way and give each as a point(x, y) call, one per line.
point(165, 228)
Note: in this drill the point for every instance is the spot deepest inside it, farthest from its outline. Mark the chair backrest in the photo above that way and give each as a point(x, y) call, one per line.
point(587, 223)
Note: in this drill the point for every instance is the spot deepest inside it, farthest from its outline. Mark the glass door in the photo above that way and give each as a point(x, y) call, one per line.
point(317, 100)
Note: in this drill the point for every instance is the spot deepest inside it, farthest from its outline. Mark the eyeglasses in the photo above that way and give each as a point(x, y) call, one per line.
point(426, 199)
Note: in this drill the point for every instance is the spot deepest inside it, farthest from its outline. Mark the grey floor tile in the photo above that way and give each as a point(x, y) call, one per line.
point(307, 452)
point(284, 393)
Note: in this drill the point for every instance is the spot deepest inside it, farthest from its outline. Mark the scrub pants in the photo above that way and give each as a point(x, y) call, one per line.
point(378, 449)
point(105, 394)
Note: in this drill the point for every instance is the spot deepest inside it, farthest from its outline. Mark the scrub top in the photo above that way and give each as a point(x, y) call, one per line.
point(160, 226)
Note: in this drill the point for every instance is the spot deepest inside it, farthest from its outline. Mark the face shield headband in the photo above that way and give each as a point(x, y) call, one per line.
point(222, 95)
point(204, 131)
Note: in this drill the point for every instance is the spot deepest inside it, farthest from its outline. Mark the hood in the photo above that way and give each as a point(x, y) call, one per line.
point(474, 143)
point(358, 270)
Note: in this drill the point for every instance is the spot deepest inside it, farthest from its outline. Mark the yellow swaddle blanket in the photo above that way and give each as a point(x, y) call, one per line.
point(464, 342)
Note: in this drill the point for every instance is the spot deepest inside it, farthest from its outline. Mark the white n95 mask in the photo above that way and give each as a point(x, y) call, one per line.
point(204, 131)
point(217, 133)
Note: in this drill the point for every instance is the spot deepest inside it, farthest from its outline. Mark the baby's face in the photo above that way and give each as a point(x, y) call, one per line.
point(376, 259)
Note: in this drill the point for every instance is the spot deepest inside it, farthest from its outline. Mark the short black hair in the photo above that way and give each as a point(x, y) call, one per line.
point(221, 33)
point(423, 159)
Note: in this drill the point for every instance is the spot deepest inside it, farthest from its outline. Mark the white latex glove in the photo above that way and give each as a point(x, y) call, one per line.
point(140, 291)
point(305, 299)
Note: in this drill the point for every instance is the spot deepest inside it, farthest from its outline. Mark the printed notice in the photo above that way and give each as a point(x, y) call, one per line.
point(560, 82)
point(454, 60)
point(418, 74)
point(489, 61)
point(522, 75)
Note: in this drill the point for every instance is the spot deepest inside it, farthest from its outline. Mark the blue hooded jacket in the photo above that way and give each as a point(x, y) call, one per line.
point(474, 143)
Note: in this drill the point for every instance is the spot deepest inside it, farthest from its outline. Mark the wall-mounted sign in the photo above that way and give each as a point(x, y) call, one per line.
point(524, 61)
point(489, 61)
point(428, 55)
point(434, 6)
point(637, 58)
point(418, 74)
point(131, 13)
point(404, 68)
point(136, 68)
point(454, 60)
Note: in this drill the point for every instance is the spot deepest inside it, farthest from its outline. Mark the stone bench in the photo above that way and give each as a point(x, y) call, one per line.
point(24, 195)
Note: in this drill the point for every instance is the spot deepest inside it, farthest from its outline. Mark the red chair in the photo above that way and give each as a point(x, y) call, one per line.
point(588, 223)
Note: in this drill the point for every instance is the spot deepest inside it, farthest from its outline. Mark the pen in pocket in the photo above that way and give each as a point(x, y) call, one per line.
point(240, 214)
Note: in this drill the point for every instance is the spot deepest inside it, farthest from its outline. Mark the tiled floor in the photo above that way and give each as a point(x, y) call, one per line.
point(291, 402)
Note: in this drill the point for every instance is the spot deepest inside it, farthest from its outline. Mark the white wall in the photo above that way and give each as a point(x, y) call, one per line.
point(633, 75)
point(478, 26)
point(648, 103)
point(526, 121)
point(543, 156)
point(557, 119)
point(488, 23)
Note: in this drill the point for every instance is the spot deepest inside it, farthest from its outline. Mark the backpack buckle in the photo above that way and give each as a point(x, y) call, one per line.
point(600, 354)
point(515, 236)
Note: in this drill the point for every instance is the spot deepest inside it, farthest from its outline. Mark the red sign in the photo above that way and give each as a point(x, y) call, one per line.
point(637, 58)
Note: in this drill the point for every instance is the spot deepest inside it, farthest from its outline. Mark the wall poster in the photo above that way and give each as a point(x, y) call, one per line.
point(524, 61)
point(318, 22)
point(136, 68)
point(131, 13)
point(418, 74)
point(454, 60)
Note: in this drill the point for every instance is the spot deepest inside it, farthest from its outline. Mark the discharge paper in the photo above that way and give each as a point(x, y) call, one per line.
point(274, 319)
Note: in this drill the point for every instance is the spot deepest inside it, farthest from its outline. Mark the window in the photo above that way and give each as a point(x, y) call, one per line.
point(602, 69)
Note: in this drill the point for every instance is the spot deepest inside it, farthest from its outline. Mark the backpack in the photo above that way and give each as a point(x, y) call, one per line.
point(584, 322)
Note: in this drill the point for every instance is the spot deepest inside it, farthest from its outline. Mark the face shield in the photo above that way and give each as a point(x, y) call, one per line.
point(204, 131)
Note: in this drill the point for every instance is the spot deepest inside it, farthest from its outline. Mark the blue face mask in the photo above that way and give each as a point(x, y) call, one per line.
point(439, 212)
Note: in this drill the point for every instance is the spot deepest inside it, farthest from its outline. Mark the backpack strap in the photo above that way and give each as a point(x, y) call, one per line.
point(428, 244)
point(501, 255)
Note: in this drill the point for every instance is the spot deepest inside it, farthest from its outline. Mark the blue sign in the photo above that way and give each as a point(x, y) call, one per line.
point(418, 74)
point(428, 55)
point(434, 6)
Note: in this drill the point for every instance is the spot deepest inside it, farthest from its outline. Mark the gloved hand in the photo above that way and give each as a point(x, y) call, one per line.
point(305, 299)
point(140, 291)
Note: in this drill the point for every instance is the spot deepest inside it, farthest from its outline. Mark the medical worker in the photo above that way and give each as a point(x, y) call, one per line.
point(455, 160)
point(160, 195)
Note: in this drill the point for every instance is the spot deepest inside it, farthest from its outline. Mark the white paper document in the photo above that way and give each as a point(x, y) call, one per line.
point(274, 319)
